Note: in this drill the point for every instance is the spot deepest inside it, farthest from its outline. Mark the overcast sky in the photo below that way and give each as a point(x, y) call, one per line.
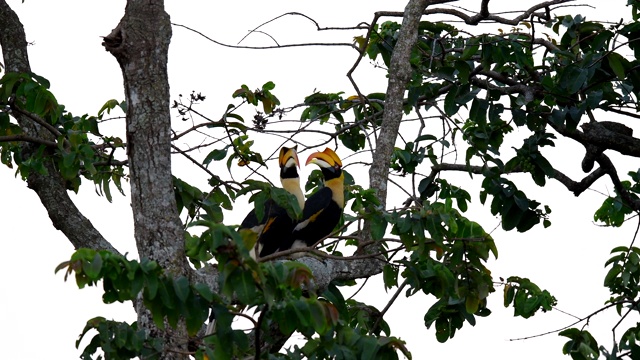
point(42, 314)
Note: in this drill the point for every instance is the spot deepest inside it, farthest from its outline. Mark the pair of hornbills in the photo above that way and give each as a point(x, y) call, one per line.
point(320, 212)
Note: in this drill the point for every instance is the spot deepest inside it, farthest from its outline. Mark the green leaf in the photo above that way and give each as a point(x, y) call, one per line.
point(464, 70)
point(426, 137)
point(43, 81)
point(527, 221)
point(582, 345)
point(165, 296)
point(390, 276)
point(511, 218)
point(378, 227)
point(616, 60)
point(521, 200)
point(472, 304)
point(108, 106)
point(544, 164)
point(302, 312)
point(443, 329)
point(319, 320)
point(450, 105)
point(333, 294)
point(204, 291)
point(268, 86)
point(471, 48)
point(244, 287)
point(612, 275)
point(215, 155)
point(478, 112)
point(259, 201)
point(287, 201)
point(152, 285)
point(92, 267)
point(573, 78)
point(509, 294)
point(181, 287)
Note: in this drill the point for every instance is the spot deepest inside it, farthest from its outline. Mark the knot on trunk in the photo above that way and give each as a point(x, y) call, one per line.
point(113, 42)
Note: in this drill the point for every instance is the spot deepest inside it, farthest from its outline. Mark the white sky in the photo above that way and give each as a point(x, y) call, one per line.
point(37, 308)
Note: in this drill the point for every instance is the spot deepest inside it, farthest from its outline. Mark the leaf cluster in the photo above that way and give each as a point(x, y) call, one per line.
point(613, 210)
point(72, 145)
point(449, 265)
point(263, 95)
point(168, 298)
point(118, 340)
point(367, 115)
point(527, 298)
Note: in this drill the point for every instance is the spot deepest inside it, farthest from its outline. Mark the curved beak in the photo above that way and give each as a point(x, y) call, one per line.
point(288, 157)
point(328, 157)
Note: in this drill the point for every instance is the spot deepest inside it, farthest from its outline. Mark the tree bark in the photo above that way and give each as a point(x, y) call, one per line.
point(50, 188)
point(13, 41)
point(399, 76)
point(140, 44)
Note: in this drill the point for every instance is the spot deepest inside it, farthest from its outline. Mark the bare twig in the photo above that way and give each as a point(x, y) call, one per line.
point(568, 326)
point(318, 28)
point(388, 306)
point(264, 47)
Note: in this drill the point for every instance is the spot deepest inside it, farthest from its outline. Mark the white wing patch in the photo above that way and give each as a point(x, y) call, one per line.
point(302, 225)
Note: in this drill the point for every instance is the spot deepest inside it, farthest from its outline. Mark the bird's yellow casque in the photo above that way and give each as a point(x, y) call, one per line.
point(275, 230)
point(323, 209)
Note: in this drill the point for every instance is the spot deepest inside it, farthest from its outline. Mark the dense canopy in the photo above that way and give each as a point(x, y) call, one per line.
point(454, 117)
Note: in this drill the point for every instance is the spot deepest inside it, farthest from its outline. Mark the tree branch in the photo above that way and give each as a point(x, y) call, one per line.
point(601, 134)
point(37, 119)
point(484, 13)
point(263, 47)
point(576, 187)
point(50, 188)
point(318, 28)
point(27, 138)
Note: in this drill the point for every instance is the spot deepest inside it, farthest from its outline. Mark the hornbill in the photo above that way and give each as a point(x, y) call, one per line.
point(322, 210)
point(275, 230)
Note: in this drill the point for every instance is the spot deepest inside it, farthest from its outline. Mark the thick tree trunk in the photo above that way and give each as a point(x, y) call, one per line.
point(140, 43)
point(399, 76)
point(13, 41)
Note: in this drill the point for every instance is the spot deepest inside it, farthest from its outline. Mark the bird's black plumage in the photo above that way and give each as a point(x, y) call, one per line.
point(322, 215)
point(274, 232)
point(323, 209)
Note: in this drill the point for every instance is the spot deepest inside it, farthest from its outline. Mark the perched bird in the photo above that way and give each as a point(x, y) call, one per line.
point(275, 230)
point(322, 210)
